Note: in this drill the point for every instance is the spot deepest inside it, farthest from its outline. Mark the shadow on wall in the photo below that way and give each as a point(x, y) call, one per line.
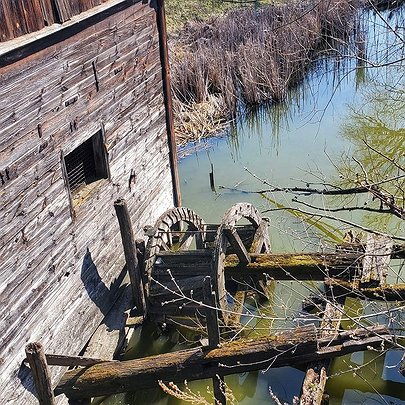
point(102, 296)
point(98, 292)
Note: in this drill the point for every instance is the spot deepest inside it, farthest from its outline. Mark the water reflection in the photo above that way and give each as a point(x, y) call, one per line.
point(344, 108)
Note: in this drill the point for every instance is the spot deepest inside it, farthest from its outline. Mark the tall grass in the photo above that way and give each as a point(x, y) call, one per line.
point(251, 56)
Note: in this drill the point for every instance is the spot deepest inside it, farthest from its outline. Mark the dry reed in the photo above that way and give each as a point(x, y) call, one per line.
point(247, 57)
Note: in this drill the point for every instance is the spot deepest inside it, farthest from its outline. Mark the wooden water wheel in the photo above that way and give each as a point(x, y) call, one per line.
point(169, 262)
point(175, 269)
point(240, 240)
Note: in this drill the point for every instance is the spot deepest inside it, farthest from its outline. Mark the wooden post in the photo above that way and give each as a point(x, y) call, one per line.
point(213, 336)
point(167, 93)
point(40, 373)
point(129, 245)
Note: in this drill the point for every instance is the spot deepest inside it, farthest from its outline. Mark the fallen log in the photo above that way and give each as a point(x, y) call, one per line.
point(298, 346)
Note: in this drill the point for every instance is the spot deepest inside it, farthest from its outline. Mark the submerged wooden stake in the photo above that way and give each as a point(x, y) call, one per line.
point(40, 373)
point(130, 252)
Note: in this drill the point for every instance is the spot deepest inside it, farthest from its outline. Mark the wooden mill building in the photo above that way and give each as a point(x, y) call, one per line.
point(85, 118)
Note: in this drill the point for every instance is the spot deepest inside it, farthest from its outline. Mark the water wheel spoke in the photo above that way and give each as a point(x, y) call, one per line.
point(187, 239)
point(236, 242)
point(164, 246)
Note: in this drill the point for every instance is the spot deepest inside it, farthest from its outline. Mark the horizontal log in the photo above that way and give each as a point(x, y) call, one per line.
point(387, 292)
point(298, 346)
point(71, 361)
point(305, 266)
point(398, 251)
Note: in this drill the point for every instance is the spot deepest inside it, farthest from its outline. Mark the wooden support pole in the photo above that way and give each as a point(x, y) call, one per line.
point(211, 313)
point(294, 347)
point(167, 94)
point(376, 260)
point(213, 336)
point(40, 373)
point(128, 242)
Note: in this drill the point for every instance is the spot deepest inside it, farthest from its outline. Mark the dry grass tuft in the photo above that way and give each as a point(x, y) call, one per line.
point(248, 57)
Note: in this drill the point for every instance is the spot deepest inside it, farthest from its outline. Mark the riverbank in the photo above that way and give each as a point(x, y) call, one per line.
point(248, 57)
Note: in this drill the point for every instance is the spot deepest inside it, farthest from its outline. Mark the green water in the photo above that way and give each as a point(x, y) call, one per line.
point(342, 110)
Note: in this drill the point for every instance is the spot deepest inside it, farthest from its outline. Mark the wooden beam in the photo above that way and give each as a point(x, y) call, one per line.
point(298, 346)
point(314, 383)
point(167, 93)
point(313, 387)
point(211, 314)
point(40, 373)
point(305, 266)
point(386, 292)
point(128, 242)
point(22, 47)
point(71, 361)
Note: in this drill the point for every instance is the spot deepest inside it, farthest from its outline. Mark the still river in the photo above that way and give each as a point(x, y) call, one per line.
point(344, 109)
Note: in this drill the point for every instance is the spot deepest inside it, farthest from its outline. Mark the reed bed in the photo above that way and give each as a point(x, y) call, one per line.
point(248, 57)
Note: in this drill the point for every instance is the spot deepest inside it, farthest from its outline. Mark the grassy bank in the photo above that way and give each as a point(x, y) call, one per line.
point(247, 57)
point(180, 12)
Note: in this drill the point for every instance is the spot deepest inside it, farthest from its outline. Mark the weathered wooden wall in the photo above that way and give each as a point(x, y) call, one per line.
point(57, 274)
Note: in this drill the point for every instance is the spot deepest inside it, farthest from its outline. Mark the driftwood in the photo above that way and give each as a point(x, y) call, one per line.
point(298, 346)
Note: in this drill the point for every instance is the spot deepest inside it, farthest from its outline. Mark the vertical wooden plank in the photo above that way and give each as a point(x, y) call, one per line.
point(6, 29)
point(237, 244)
point(17, 19)
point(129, 245)
point(47, 12)
point(167, 93)
point(63, 10)
point(33, 15)
point(376, 260)
point(213, 336)
point(40, 373)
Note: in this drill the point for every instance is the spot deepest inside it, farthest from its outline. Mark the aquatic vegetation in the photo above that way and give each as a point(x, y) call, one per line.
point(253, 55)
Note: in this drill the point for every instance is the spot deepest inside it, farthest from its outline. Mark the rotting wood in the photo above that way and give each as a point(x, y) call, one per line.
point(304, 266)
point(315, 378)
point(71, 361)
point(298, 346)
point(237, 308)
point(313, 387)
point(109, 339)
point(386, 292)
point(133, 268)
point(40, 373)
point(398, 250)
point(376, 260)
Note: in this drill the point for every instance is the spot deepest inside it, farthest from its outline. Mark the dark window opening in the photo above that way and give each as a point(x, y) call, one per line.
point(86, 164)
